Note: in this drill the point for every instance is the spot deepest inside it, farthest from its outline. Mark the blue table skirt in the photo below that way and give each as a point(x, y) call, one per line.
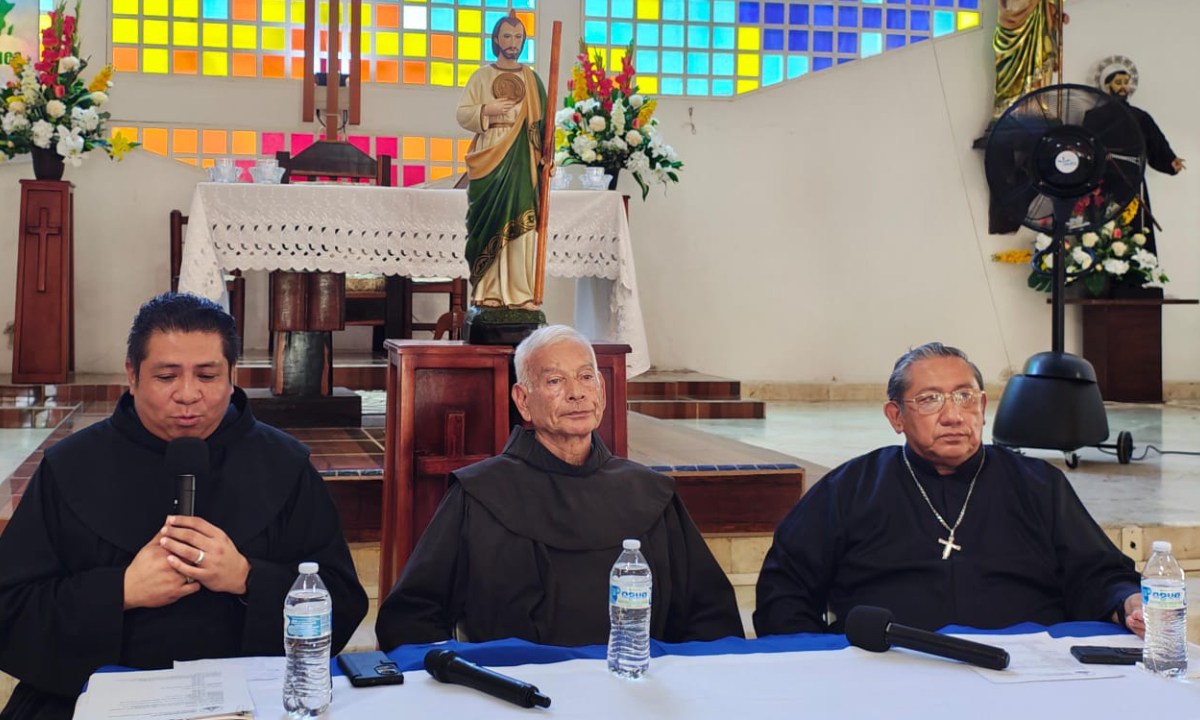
point(509, 652)
point(500, 653)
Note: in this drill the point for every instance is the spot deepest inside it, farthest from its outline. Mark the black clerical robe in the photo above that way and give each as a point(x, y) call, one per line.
point(863, 535)
point(523, 543)
point(99, 496)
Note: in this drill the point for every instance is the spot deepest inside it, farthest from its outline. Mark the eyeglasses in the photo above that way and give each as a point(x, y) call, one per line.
point(930, 403)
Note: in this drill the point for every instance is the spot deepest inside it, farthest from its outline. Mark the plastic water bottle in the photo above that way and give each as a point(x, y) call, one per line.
point(307, 635)
point(629, 593)
point(1164, 602)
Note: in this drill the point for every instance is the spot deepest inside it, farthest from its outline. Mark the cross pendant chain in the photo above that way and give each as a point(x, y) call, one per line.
point(950, 546)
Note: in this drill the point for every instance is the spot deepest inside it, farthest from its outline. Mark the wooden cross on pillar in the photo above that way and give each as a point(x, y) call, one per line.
point(44, 231)
point(455, 437)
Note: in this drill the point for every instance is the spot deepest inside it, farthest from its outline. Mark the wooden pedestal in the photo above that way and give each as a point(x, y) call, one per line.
point(1122, 339)
point(44, 330)
point(448, 407)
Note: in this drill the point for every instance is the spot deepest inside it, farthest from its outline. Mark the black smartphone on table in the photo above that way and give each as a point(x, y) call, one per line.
point(1103, 655)
point(366, 669)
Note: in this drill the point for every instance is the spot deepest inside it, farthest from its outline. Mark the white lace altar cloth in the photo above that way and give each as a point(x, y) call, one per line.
point(402, 231)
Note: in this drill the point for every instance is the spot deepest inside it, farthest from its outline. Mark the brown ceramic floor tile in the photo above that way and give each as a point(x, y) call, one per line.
point(312, 434)
point(342, 447)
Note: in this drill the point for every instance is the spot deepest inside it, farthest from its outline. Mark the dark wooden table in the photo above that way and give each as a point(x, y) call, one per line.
point(1122, 338)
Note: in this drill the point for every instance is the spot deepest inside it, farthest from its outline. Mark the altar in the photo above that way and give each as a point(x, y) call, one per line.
point(413, 233)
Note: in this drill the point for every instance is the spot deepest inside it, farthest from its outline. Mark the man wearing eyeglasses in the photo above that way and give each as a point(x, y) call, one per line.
point(942, 530)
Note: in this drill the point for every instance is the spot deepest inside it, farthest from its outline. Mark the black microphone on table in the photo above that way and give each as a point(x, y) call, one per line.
point(872, 628)
point(186, 458)
point(446, 666)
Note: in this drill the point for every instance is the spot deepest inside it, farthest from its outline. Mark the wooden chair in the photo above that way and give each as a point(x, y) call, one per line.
point(389, 309)
point(235, 284)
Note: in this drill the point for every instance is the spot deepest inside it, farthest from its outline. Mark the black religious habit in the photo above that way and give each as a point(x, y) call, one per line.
point(99, 496)
point(864, 535)
point(523, 543)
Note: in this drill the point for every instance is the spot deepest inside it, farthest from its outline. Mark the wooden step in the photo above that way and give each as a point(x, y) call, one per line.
point(655, 385)
point(685, 395)
point(691, 409)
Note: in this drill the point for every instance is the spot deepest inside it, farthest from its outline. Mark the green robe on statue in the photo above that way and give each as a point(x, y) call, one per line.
point(502, 165)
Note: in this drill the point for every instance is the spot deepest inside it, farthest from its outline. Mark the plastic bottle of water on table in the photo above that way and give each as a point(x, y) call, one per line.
point(1164, 602)
point(630, 590)
point(307, 636)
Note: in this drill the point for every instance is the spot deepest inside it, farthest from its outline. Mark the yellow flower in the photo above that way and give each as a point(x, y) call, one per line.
point(1013, 257)
point(100, 82)
point(560, 137)
point(647, 110)
point(1130, 212)
point(17, 63)
point(580, 84)
point(120, 145)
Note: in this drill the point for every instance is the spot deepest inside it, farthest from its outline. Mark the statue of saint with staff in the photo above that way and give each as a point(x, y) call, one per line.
point(505, 104)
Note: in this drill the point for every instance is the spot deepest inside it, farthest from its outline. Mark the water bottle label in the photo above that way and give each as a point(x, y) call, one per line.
point(304, 627)
point(1164, 598)
point(632, 597)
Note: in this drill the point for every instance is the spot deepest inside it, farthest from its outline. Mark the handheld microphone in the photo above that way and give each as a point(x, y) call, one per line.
point(186, 458)
point(446, 666)
point(871, 628)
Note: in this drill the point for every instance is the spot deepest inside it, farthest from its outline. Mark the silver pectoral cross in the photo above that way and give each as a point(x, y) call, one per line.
point(950, 546)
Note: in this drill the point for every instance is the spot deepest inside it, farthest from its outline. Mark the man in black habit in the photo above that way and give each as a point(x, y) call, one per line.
point(96, 570)
point(522, 544)
point(942, 530)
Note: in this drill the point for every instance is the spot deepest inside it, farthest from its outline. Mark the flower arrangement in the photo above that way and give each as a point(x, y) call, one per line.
point(1115, 252)
point(606, 122)
point(50, 106)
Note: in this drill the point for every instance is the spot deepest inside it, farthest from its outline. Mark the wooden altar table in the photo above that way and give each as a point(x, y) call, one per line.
point(407, 232)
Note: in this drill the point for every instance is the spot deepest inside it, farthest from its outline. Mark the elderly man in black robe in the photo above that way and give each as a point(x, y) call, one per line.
point(95, 569)
point(523, 543)
point(942, 530)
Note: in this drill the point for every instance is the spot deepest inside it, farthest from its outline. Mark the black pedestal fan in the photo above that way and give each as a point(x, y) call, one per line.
point(1053, 148)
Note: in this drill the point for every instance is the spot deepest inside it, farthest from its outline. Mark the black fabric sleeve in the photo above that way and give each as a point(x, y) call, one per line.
point(1159, 154)
point(56, 626)
point(1097, 577)
point(703, 605)
point(794, 583)
point(426, 603)
point(310, 530)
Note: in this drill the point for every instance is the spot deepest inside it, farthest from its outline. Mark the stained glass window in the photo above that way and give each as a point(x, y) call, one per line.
point(413, 42)
point(728, 47)
point(415, 158)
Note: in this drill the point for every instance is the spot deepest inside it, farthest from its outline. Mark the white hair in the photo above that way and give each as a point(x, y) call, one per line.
point(542, 338)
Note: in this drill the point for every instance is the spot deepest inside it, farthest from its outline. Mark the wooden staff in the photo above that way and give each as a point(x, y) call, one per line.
point(539, 285)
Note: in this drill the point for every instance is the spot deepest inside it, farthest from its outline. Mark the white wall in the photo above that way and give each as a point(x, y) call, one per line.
point(822, 226)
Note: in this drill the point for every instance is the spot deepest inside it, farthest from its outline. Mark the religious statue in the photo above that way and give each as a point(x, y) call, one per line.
point(1027, 48)
point(504, 105)
point(1118, 76)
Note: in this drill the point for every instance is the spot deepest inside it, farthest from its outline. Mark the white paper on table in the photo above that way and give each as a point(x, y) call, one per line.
point(166, 695)
point(251, 669)
point(1041, 658)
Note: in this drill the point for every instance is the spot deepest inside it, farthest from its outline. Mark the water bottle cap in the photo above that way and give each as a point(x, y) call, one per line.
point(1161, 546)
point(632, 544)
point(309, 568)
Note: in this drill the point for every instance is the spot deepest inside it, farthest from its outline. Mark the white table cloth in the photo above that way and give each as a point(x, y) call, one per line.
point(849, 683)
point(414, 233)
